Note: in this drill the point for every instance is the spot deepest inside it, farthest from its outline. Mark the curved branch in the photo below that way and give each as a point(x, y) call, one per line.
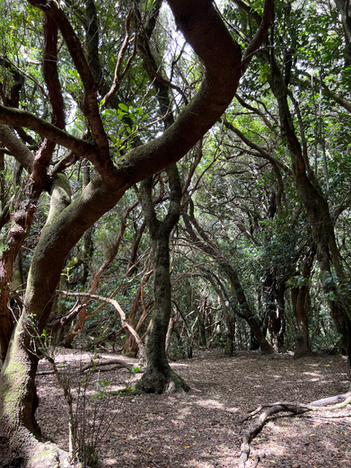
point(91, 108)
point(256, 110)
point(264, 25)
point(172, 216)
point(118, 309)
point(13, 117)
point(278, 407)
point(17, 149)
point(257, 427)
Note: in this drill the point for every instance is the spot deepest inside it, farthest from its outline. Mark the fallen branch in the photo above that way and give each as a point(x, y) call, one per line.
point(269, 410)
point(256, 427)
point(96, 364)
point(345, 399)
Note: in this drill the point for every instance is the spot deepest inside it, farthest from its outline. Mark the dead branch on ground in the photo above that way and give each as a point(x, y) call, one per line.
point(331, 403)
point(97, 364)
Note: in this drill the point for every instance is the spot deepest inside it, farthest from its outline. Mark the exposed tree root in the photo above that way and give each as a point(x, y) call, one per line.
point(154, 381)
point(269, 410)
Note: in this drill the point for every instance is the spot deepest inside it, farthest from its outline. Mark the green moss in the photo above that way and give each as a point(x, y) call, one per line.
point(14, 380)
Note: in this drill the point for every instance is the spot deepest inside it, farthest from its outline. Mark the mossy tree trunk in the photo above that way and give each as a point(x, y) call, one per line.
point(159, 376)
point(19, 400)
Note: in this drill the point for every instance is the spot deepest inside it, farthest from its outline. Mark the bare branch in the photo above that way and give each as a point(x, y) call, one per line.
point(118, 309)
point(118, 77)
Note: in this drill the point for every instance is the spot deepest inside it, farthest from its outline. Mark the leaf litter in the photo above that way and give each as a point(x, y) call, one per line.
point(201, 428)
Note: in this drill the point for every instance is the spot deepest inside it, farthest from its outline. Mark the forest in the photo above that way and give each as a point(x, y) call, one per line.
point(174, 203)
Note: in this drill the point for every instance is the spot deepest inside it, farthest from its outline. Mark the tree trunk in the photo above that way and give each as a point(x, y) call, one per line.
point(274, 297)
point(300, 298)
point(229, 343)
point(158, 376)
point(18, 401)
point(316, 205)
point(276, 319)
point(201, 319)
point(18, 404)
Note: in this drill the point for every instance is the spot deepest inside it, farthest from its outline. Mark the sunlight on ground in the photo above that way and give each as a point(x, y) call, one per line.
point(216, 405)
point(221, 456)
point(76, 356)
point(285, 437)
point(314, 376)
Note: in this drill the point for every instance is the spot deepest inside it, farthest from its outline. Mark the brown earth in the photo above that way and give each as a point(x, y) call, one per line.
point(201, 429)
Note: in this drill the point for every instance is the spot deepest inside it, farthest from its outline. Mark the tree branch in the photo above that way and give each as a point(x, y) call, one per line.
point(118, 309)
point(17, 149)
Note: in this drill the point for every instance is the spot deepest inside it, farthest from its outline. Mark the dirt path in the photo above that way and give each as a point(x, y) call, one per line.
point(200, 429)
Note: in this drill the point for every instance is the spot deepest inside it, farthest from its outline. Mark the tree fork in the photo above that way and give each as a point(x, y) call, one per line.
point(206, 33)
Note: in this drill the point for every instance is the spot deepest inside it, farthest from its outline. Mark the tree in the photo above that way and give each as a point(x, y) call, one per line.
point(68, 220)
point(243, 309)
point(158, 374)
point(293, 81)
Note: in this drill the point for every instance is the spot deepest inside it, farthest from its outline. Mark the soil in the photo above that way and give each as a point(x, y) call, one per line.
point(202, 428)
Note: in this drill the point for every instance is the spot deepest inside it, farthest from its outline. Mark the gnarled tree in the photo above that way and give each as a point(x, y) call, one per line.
point(69, 220)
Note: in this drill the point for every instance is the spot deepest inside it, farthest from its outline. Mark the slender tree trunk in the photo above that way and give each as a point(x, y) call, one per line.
point(243, 308)
point(201, 317)
point(229, 342)
point(316, 205)
point(300, 298)
point(159, 376)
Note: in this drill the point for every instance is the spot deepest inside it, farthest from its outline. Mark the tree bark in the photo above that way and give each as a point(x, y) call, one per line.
point(275, 289)
point(316, 205)
point(18, 401)
point(159, 376)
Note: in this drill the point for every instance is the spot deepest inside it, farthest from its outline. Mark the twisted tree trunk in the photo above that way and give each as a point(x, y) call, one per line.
point(158, 375)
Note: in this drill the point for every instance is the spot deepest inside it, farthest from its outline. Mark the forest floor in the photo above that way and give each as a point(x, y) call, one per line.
point(202, 428)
